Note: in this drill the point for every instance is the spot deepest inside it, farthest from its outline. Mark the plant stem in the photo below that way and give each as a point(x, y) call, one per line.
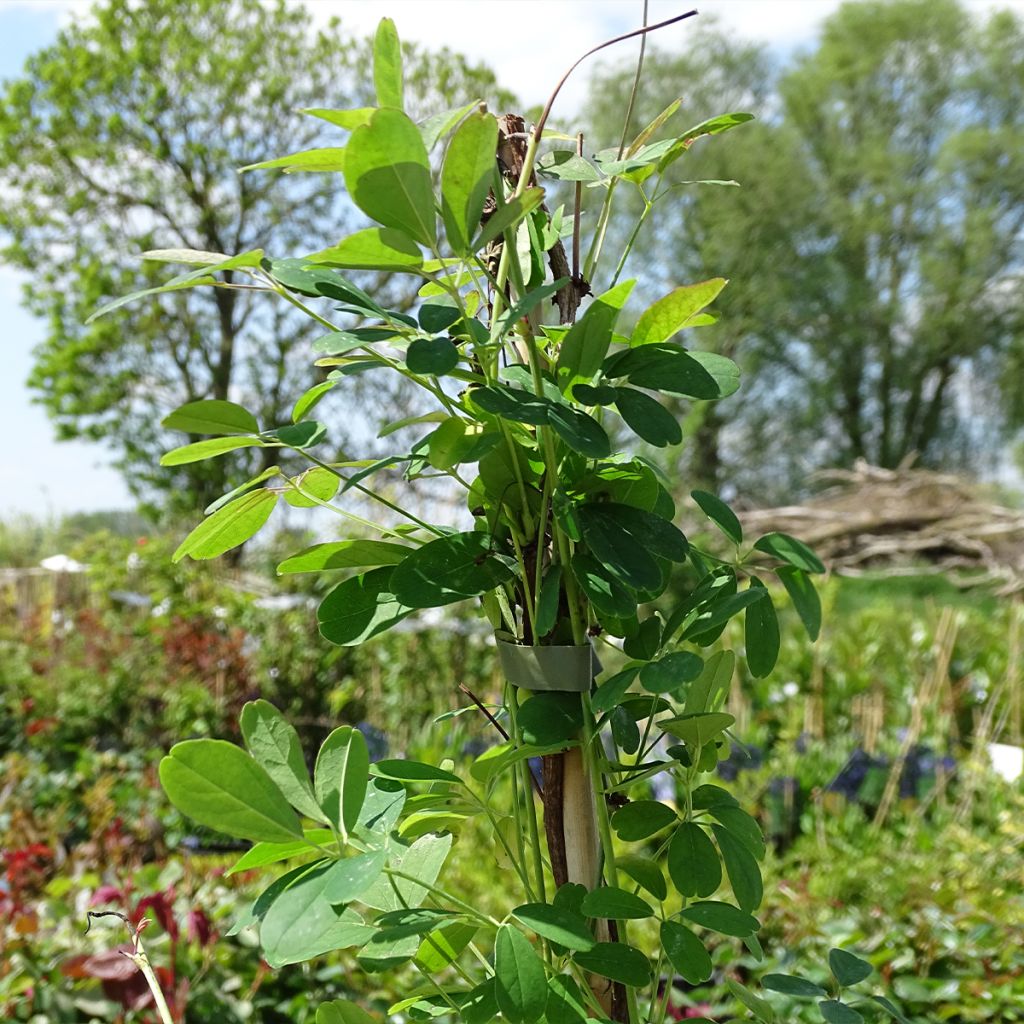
point(531, 812)
point(444, 895)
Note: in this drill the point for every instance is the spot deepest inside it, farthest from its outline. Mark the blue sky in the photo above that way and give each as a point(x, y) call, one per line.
point(42, 477)
point(39, 476)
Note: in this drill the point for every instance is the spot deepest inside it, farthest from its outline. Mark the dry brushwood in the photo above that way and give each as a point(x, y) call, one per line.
point(906, 522)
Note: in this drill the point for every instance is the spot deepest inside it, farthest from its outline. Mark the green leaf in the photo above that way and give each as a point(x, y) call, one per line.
point(613, 689)
point(450, 569)
point(341, 1011)
point(432, 356)
point(352, 876)
point(566, 1004)
point(508, 215)
point(269, 473)
point(422, 861)
point(720, 514)
point(741, 825)
point(556, 924)
point(512, 404)
point(549, 718)
point(603, 591)
point(723, 371)
point(835, 1012)
point(721, 917)
point(312, 487)
point(299, 435)
point(306, 278)
point(713, 126)
point(387, 65)
point(671, 672)
point(193, 279)
point(387, 173)
point(741, 867)
point(709, 691)
point(321, 161)
point(456, 441)
point(698, 730)
point(567, 165)
point(719, 610)
point(693, 863)
point(229, 526)
point(761, 633)
point(347, 119)
point(413, 771)
point(629, 541)
point(500, 758)
point(341, 776)
point(212, 416)
point(759, 1007)
point(648, 418)
point(646, 873)
point(440, 313)
point(685, 952)
point(191, 257)
point(443, 946)
point(625, 731)
point(207, 449)
point(261, 854)
point(309, 398)
point(520, 981)
point(665, 367)
point(847, 968)
point(644, 135)
point(302, 924)
point(804, 597)
point(790, 550)
point(275, 745)
point(586, 344)
point(589, 395)
point(670, 314)
point(220, 786)
point(547, 603)
point(793, 985)
point(372, 249)
point(437, 126)
point(645, 643)
point(466, 178)
point(580, 431)
point(617, 961)
point(529, 302)
point(345, 554)
point(890, 1009)
point(615, 905)
point(480, 1005)
point(360, 607)
point(383, 806)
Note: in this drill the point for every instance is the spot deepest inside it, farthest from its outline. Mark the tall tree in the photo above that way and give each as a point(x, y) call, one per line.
point(876, 247)
point(126, 135)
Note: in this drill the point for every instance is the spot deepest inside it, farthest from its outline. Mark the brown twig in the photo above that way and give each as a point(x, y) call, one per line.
point(539, 129)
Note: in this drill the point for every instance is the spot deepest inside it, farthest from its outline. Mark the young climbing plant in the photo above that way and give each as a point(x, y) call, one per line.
point(612, 892)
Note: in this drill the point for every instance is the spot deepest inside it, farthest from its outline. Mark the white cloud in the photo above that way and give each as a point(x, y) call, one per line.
point(530, 43)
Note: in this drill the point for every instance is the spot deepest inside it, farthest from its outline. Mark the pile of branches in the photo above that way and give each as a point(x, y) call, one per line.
point(906, 522)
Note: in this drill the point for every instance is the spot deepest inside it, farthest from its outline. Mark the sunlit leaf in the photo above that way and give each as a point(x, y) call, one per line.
point(208, 449)
point(387, 64)
point(670, 314)
point(388, 175)
point(229, 526)
point(219, 785)
point(466, 178)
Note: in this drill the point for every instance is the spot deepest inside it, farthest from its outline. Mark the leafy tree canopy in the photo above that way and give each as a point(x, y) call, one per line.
point(127, 134)
point(874, 246)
